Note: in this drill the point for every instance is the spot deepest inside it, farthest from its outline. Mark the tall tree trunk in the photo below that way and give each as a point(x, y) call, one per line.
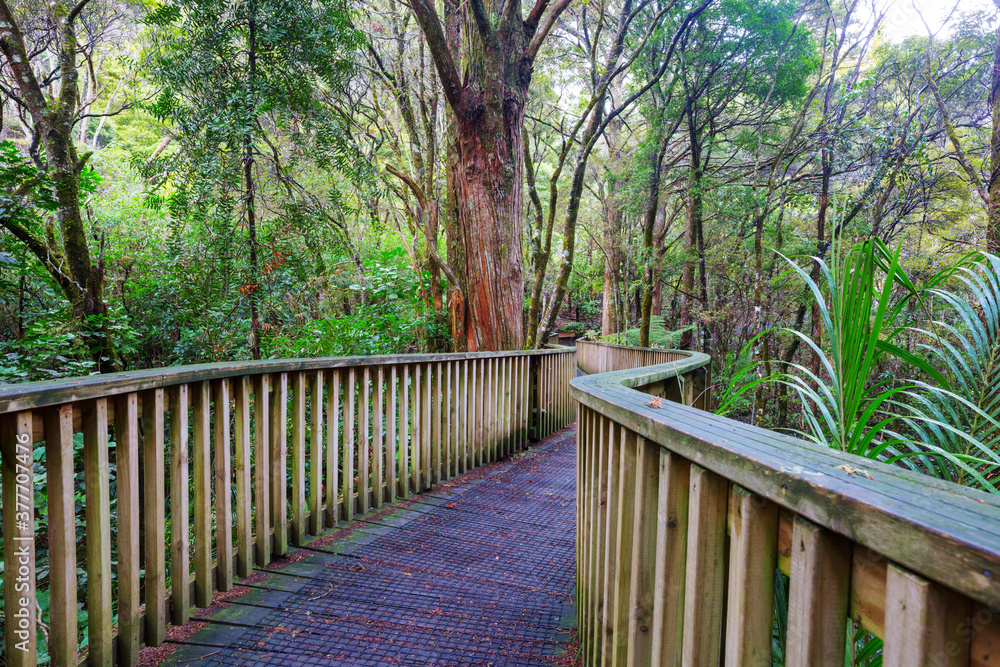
point(72, 267)
point(993, 229)
point(612, 260)
point(255, 287)
point(648, 250)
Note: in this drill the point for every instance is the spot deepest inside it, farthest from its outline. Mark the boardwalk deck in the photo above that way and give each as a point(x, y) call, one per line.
point(478, 571)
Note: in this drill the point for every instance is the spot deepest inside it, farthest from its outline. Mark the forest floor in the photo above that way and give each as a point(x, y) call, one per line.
point(477, 571)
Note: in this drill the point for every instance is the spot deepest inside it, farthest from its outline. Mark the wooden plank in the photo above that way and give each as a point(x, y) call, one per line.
point(670, 587)
point(262, 471)
point(154, 517)
point(201, 472)
point(16, 457)
point(426, 428)
point(297, 535)
point(316, 523)
point(350, 391)
point(643, 553)
point(62, 539)
point(279, 463)
point(706, 571)
point(378, 423)
point(623, 556)
point(599, 539)
point(583, 520)
point(333, 457)
point(926, 623)
point(404, 434)
point(129, 565)
point(818, 599)
point(417, 426)
point(753, 554)
point(98, 516)
point(392, 425)
point(437, 443)
point(447, 428)
point(465, 417)
point(242, 469)
point(480, 419)
point(364, 417)
point(223, 487)
point(180, 569)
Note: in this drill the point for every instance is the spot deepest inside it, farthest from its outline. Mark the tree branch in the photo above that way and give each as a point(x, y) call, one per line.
point(430, 24)
point(482, 21)
point(538, 37)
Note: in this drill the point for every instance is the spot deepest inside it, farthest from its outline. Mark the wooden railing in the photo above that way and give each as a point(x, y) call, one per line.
point(684, 518)
point(594, 357)
point(260, 455)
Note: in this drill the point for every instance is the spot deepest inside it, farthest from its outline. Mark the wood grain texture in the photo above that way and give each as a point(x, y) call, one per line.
point(279, 462)
point(297, 534)
point(98, 516)
point(21, 636)
point(244, 475)
point(925, 623)
point(316, 523)
point(262, 467)
point(333, 456)
point(129, 527)
point(223, 485)
point(62, 538)
point(201, 472)
point(642, 586)
point(180, 545)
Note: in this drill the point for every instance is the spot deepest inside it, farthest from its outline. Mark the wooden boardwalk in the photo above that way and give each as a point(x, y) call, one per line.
point(477, 571)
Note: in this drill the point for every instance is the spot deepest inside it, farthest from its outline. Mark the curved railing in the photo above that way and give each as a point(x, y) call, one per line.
point(295, 445)
point(684, 516)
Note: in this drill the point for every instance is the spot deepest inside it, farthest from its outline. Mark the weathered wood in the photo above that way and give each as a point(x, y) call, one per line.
point(180, 568)
point(201, 471)
point(262, 449)
point(333, 457)
point(316, 524)
point(926, 623)
point(818, 599)
point(753, 530)
point(391, 415)
point(129, 565)
point(154, 517)
point(242, 469)
point(625, 521)
point(350, 390)
point(98, 515)
point(417, 426)
point(297, 534)
point(378, 423)
point(223, 487)
point(426, 429)
point(404, 434)
point(437, 443)
point(364, 448)
point(643, 552)
point(706, 570)
point(448, 440)
point(279, 463)
point(20, 632)
point(600, 544)
point(62, 540)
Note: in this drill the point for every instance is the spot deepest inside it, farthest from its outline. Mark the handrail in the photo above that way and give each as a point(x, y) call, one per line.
point(683, 517)
point(275, 452)
point(594, 357)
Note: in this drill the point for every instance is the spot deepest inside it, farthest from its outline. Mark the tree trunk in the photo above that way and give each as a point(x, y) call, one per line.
point(648, 251)
point(612, 260)
point(993, 228)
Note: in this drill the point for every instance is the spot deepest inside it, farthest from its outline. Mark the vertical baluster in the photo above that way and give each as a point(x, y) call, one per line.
point(180, 569)
point(600, 495)
point(298, 531)
point(316, 453)
point(98, 499)
point(489, 408)
point(202, 474)
point(404, 434)
point(463, 418)
point(670, 586)
point(610, 555)
point(223, 487)
point(753, 555)
point(241, 465)
point(349, 394)
point(262, 472)
point(456, 443)
point(127, 482)
point(364, 416)
point(391, 417)
point(706, 572)
point(378, 423)
point(426, 427)
point(481, 396)
point(279, 463)
point(436, 439)
point(16, 452)
point(818, 599)
point(926, 624)
point(62, 541)
point(583, 531)
point(446, 428)
point(416, 427)
point(333, 448)
point(622, 555)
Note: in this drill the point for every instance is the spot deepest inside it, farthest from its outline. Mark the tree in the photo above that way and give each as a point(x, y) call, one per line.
point(52, 102)
point(484, 53)
point(231, 75)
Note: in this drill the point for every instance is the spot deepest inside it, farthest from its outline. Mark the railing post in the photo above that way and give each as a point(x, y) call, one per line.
point(534, 402)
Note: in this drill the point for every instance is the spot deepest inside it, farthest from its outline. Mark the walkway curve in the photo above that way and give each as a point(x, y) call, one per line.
point(477, 571)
